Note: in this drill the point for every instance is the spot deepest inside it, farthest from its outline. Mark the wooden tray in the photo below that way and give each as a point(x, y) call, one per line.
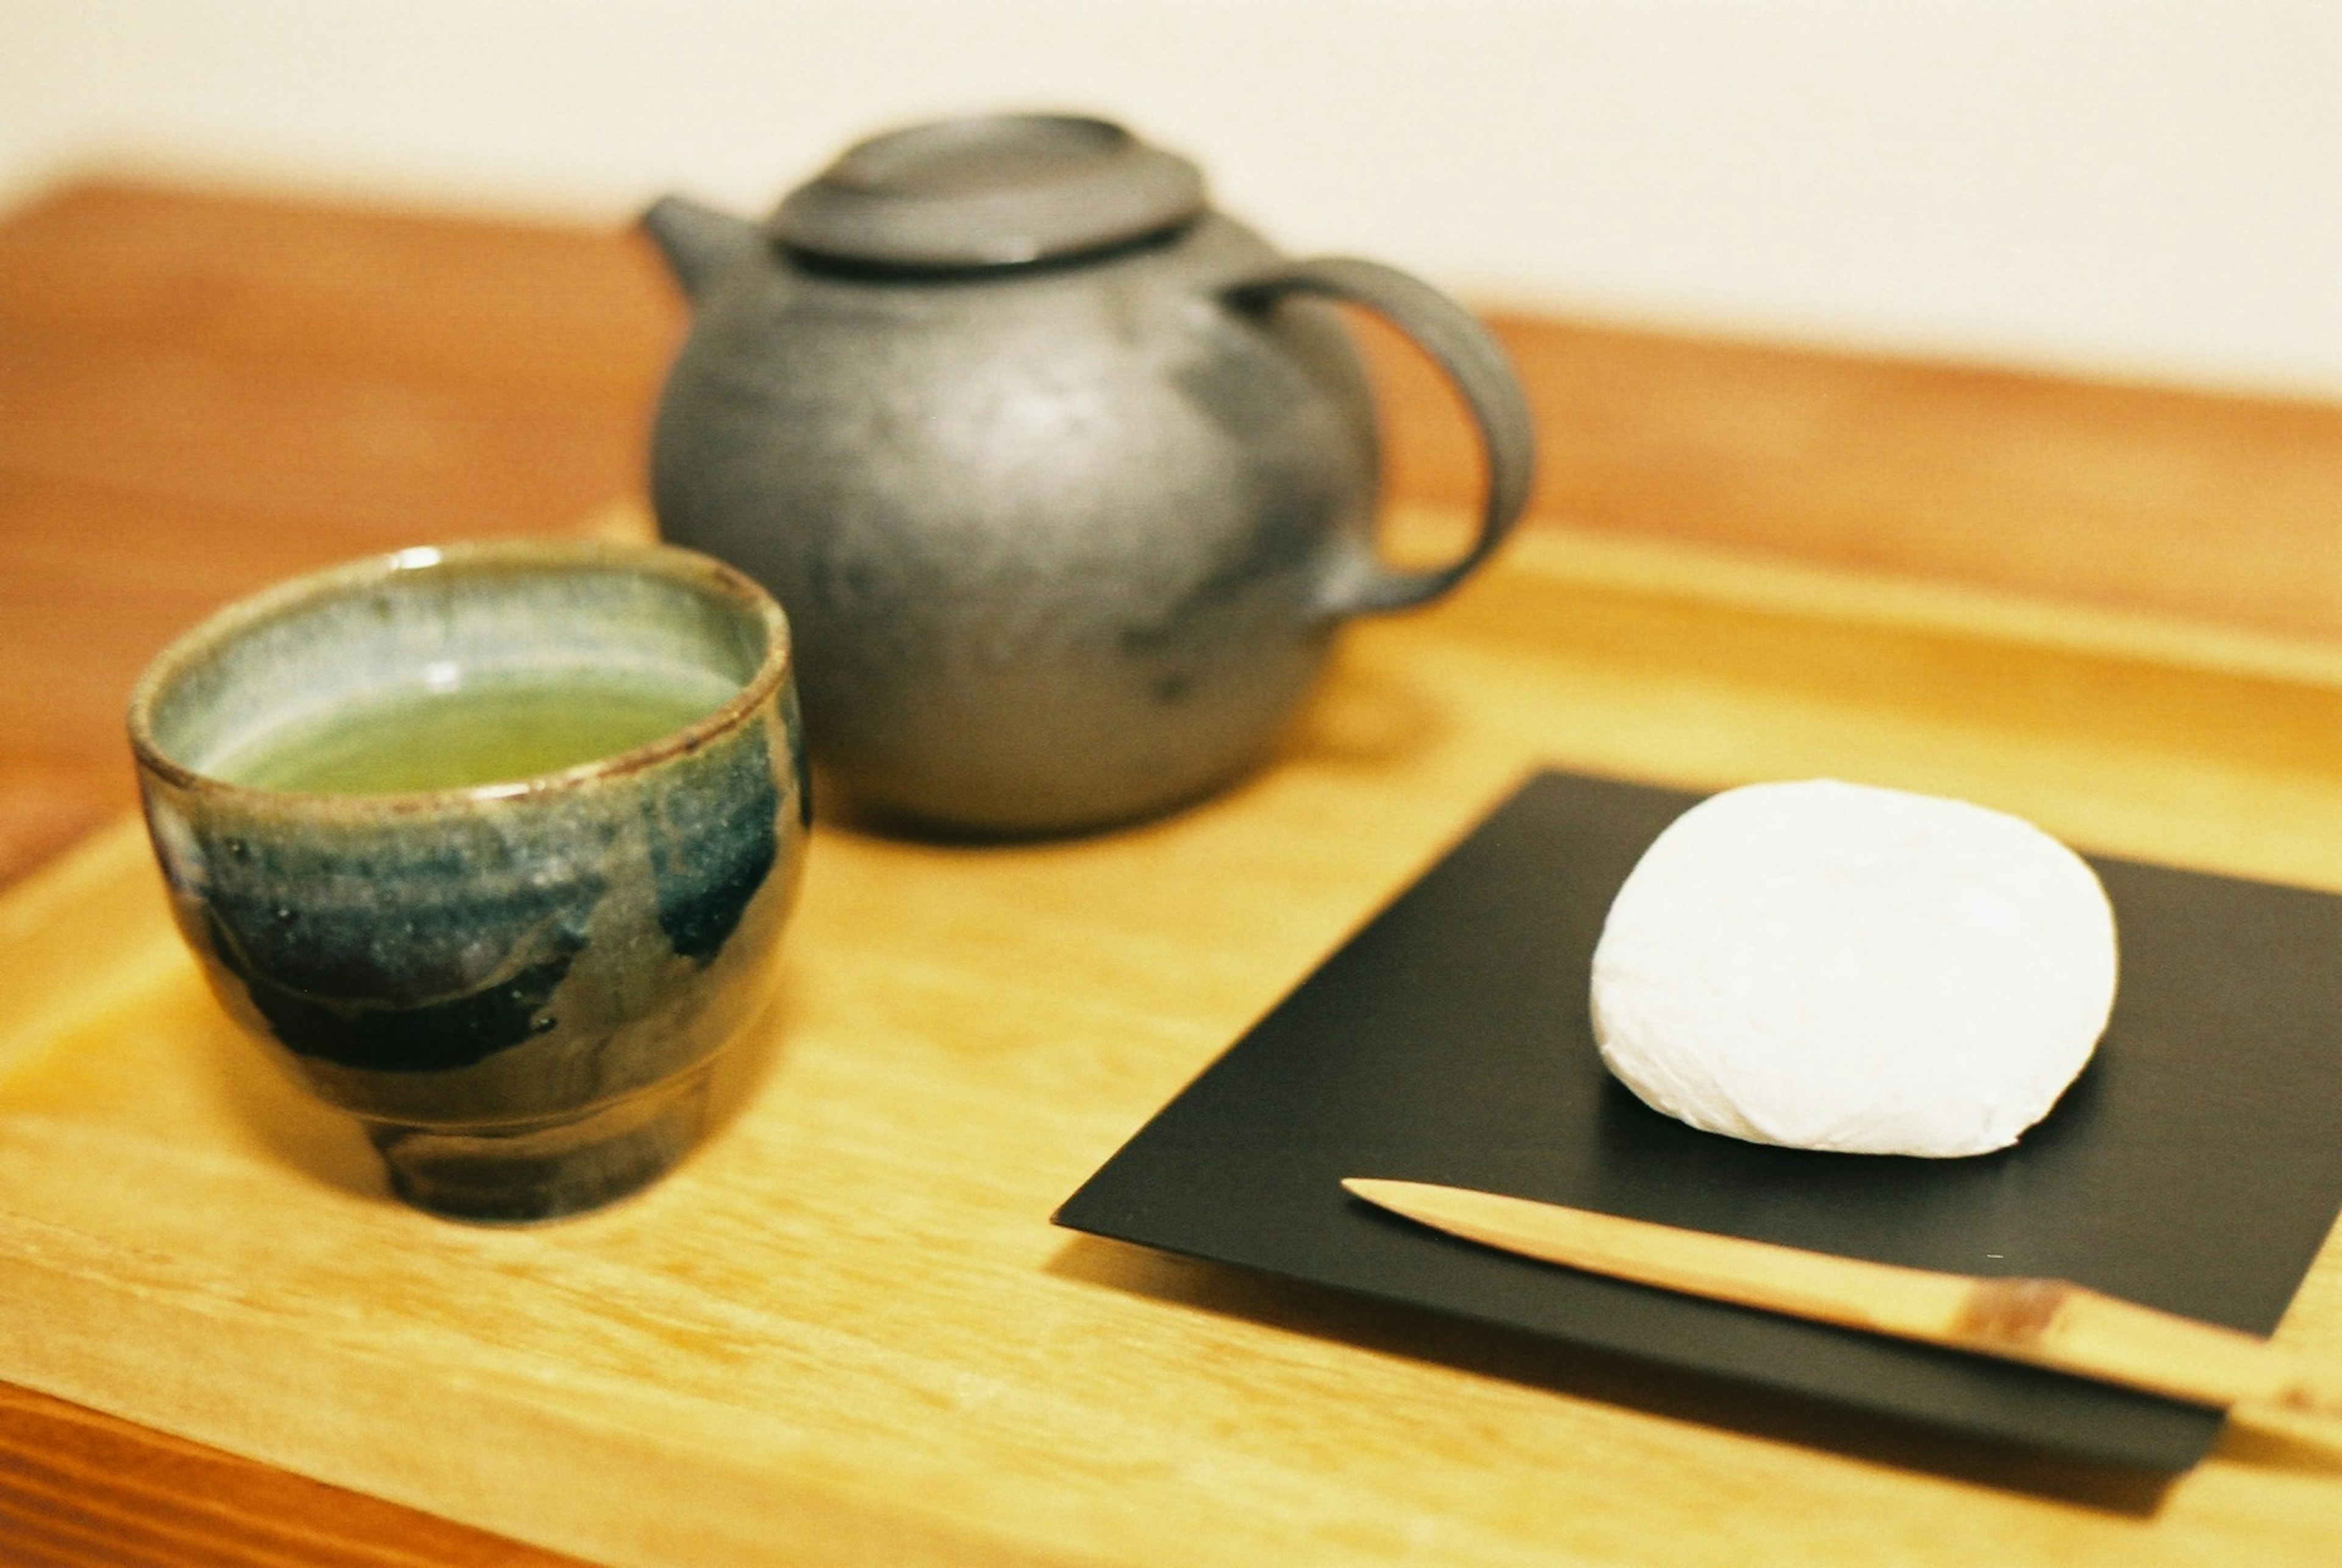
point(846, 1331)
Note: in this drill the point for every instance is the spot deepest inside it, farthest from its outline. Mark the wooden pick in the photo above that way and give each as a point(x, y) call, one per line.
point(2048, 1322)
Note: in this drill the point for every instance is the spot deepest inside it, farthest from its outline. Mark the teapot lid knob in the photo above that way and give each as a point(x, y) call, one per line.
point(991, 191)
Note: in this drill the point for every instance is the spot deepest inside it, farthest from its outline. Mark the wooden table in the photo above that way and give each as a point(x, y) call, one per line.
point(199, 394)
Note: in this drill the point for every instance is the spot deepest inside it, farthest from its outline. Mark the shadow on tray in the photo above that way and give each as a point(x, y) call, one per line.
point(1490, 1350)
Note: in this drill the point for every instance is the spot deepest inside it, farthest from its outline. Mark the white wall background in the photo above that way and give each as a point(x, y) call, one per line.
point(2134, 187)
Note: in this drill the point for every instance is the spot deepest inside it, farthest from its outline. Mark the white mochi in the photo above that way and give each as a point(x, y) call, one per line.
point(1829, 965)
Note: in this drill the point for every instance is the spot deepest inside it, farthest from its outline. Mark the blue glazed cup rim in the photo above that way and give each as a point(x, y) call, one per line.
point(689, 568)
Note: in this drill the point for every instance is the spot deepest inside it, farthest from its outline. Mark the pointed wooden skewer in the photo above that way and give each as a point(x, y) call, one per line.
point(2048, 1322)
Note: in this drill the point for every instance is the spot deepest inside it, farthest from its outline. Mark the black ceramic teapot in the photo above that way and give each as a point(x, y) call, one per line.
point(1063, 485)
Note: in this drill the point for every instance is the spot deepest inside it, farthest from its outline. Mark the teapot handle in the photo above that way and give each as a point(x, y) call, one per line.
point(1462, 347)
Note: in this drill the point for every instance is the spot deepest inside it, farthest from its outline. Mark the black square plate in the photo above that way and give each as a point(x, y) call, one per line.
point(2195, 1165)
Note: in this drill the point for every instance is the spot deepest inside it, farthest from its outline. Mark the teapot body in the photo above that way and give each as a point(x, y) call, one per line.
point(1053, 540)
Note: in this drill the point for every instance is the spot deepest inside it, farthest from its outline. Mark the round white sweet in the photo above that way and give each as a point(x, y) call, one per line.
point(1829, 966)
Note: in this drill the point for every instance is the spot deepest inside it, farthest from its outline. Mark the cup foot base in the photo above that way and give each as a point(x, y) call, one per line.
point(523, 1175)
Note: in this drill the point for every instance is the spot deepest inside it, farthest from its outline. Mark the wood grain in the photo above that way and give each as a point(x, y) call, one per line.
point(79, 1490)
point(845, 1331)
point(202, 391)
point(2204, 507)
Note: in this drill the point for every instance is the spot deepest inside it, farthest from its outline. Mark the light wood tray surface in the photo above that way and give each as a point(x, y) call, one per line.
point(846, 1329)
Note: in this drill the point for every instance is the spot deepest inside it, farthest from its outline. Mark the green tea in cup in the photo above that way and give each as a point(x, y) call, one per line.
point(492, 846)
point(459, 732)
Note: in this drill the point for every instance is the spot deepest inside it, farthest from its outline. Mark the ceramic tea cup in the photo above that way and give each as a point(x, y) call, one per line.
point(491, 845)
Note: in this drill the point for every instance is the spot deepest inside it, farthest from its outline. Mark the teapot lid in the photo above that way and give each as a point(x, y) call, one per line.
point(991, 191)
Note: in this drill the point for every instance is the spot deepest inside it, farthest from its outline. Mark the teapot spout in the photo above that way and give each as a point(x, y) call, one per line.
point(698, 242)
